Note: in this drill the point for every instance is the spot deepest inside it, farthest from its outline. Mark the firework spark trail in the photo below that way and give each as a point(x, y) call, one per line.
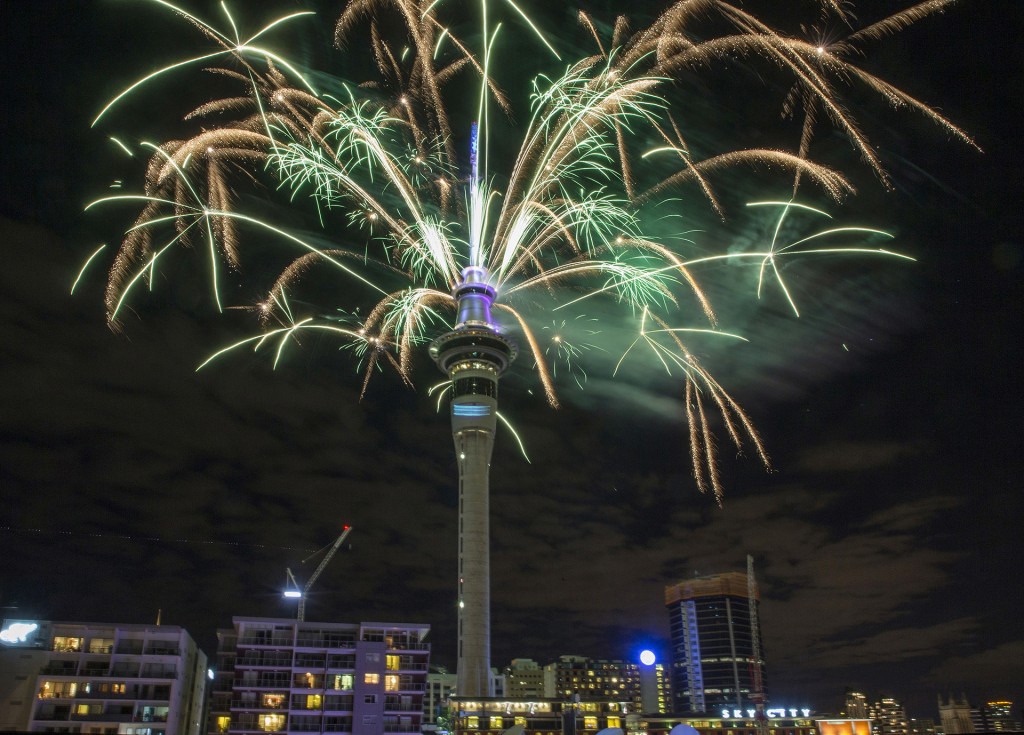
point(568, 224)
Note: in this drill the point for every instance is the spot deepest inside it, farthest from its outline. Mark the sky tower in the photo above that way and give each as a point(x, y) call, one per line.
point(474, 355)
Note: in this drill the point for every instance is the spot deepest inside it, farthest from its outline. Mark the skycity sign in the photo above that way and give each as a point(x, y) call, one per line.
point(773, 714)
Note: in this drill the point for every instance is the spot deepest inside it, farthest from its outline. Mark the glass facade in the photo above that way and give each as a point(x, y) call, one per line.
point(713, 663)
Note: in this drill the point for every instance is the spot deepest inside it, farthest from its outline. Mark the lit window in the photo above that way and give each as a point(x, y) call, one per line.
point(614, 722)
point(496, 723)
point(270, 723)
point(58, 689)
point(371, 678)
point(67, 645)
point(313, 701)
point(520, 721)
point(473, 723)
point(223, 724)
point(273, 700)
point(589, 723)
point(81, 709)
point(342, 681)
point(392, 663)
point(101, 645)
point(390, 683)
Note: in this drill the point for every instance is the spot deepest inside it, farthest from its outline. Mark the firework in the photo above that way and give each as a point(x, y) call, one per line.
point(418, 236)
point(567, 224)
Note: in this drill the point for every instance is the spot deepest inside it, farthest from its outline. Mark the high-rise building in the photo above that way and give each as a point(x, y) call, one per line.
point(889, 717)
point(998, 716)
point(856, 706)
point(287, 676)
point(102, 678)
point(955, 716)
point(713, 661)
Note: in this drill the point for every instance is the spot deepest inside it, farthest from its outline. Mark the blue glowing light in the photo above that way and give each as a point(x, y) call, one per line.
point(471, 410)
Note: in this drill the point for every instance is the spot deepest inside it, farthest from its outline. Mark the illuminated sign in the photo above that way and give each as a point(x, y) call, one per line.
point(17, 632)
point(772, 714)
point(647, 658)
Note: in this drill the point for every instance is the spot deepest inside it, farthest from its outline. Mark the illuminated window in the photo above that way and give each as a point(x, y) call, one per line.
point(67, 645)
point(342, 681)
point(117, 688)
point(473, 723)
point(58, 689)
point(496, 723)
point(614, 722)
point(273, 700)
point(101, 645)
point(313, 701)
point(223, 724)
point(270, 723)
point(392, 663)
point(391, 683)
point(589, 723)
point(81, 709)
point(520, 721)
point(371, 678)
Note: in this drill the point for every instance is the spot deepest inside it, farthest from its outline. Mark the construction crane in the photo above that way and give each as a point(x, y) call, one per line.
point(294, 592)
point(756, 679)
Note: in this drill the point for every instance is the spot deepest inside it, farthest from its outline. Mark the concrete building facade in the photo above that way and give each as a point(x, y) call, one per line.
point(955, 715)
point(285, 676)
point(106, 679)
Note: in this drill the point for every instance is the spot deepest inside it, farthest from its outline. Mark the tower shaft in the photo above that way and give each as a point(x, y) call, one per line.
point(473, 356)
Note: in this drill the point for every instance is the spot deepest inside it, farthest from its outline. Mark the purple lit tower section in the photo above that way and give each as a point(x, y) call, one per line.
point(473, 356)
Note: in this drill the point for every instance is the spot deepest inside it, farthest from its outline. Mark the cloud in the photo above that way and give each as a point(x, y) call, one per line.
point(990, 670)
point(853, 456)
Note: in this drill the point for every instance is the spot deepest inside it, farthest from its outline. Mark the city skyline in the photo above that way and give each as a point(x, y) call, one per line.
point(885, 525)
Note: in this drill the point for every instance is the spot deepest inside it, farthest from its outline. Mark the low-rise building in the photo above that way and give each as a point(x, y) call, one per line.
point(108, 679)
point(287, 676)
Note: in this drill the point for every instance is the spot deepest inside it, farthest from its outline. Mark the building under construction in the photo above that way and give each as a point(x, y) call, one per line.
point(716, 644)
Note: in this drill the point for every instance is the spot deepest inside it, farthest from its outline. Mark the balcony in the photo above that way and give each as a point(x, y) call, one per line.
point(268, 641)
point(264, 682)
point(103, 717)
point(162, 651)
point(281, 662)
point(61, 668)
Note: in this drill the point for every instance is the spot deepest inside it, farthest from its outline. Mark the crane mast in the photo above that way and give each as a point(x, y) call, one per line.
point(301, 615)
point(757, 682)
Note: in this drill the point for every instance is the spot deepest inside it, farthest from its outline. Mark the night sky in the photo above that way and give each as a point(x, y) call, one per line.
point(887, 537)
